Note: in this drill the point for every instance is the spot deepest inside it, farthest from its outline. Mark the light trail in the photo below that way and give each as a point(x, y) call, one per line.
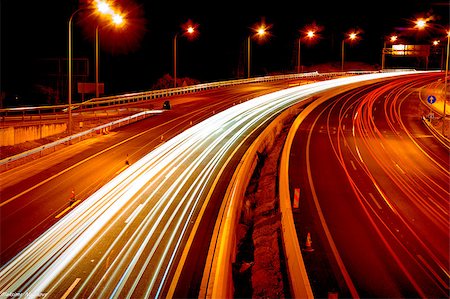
point(160, 195)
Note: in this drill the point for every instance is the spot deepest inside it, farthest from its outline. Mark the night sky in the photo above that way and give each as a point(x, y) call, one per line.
point(34, 36)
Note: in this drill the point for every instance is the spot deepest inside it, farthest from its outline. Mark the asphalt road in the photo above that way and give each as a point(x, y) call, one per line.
point(374, 194)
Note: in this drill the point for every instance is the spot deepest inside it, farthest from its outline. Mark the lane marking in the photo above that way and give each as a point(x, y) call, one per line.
point(375, 201)
point(72, 286)
point(403, 172)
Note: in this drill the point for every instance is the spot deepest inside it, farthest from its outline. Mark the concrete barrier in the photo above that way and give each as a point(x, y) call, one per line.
point(15, 135)
point(217, 280)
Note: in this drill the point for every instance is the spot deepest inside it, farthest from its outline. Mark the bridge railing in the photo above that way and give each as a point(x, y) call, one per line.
point(28, 112)
point(162, 93)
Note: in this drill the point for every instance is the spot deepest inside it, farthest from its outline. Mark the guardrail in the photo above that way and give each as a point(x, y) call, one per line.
point(154, 94)
point(161, 93)
point(157, 94)
point(68, 139)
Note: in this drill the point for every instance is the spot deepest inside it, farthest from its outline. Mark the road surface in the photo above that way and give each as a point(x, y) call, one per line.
point(374, 187)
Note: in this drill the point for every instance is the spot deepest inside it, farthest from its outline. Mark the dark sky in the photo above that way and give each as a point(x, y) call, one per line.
point(135, 57)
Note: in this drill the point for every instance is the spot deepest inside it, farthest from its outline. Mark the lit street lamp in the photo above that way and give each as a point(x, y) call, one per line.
point(190, 30)
point(101, 7)
point(117, 20)
point(310, 34)
point(351, 36)
point(392, 39)
point(445, 83)
point(260, 32)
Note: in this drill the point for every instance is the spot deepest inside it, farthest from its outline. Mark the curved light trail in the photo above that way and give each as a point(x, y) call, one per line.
point(125, 240)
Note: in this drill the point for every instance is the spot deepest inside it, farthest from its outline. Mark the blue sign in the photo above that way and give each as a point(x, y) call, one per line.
point(431, 99)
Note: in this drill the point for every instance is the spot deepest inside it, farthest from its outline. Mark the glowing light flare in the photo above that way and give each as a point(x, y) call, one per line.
point(117, 19)
point(393, 38)
point(352, 36)
point(103, 7)
point(261, 31)
point(190, 29)
point(310, 34)
point(420, 23)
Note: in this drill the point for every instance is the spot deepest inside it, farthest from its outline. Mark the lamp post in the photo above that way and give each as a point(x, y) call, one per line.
point(69, 70)
point(103, 8)
point(310, 34)
point(445, 84)
point(260, 32)
point(392, 39)
point(189, 30)
point(351, 36)
point(117, 20)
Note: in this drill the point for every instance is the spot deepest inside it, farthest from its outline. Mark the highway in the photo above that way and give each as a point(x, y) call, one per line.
point(130, 238)
point(375, 190)
point(84, 167)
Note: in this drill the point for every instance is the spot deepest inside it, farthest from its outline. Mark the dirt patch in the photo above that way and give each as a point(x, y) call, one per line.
point(259, 270)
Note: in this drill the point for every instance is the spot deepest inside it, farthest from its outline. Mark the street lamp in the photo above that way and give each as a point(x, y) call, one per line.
point(188, 29)
point(310, 34)
point(351, 36)
point(392, 40)
point(117, 20)
point(103, 8)
point(260, 32)
point(445, 83)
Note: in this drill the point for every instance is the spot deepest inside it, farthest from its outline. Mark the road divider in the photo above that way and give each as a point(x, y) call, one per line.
point(217, 280)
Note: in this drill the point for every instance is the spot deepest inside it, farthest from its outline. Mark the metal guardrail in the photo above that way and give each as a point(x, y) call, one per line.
point(116, 123)
point(161, 93)
point(153, 94)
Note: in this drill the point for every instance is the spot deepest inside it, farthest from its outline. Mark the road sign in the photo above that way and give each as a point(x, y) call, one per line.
point(431, 99)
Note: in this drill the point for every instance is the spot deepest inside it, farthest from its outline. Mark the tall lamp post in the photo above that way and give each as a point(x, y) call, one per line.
point(117, 20)
point(392, 39)
point(260, 32)
point(310, 34)
point(103, 8)
point(190, 30)
point(351, 36)
point(446, 83)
